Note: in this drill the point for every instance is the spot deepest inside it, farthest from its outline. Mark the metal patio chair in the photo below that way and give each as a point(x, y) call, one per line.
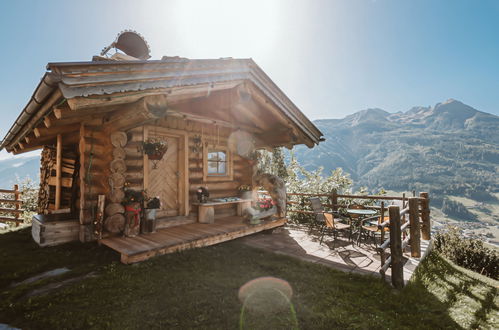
point(328, 222)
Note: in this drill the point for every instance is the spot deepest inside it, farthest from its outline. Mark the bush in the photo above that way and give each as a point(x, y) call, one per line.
point(467, 253)
point(300, 180)
point(30, 199)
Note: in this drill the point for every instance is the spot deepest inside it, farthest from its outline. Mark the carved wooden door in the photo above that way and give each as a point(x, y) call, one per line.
point(164, 178)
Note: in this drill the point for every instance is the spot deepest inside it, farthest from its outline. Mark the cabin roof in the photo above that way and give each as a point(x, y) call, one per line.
point(109, 78)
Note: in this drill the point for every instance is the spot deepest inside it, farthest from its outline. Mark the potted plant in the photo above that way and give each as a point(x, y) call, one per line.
point(245, 192)
point(155, 148)
point(266, 208)
point(133, 206)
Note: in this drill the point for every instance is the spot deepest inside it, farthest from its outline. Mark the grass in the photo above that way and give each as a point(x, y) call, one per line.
point(199, 289)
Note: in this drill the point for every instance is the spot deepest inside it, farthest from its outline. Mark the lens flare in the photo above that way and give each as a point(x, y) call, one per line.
point(267, 300)
point(241, 143)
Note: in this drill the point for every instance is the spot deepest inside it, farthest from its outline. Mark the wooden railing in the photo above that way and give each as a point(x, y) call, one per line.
point(419, 227)
point(15, 206)
point(416, 208)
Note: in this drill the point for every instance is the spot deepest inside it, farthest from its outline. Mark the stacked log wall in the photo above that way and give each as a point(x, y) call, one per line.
point(212, 136)
point(105, 170)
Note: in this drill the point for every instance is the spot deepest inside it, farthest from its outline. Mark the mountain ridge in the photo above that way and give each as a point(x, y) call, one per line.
point(447, 147)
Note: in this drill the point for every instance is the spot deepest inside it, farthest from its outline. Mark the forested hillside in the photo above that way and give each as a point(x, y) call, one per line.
point(450, 148)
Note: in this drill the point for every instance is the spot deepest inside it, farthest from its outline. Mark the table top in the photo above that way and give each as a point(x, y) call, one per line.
point(361, 211)
point(213, 203)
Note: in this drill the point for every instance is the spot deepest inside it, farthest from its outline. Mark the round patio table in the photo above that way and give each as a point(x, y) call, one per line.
point(364, 212)
point(356, 222)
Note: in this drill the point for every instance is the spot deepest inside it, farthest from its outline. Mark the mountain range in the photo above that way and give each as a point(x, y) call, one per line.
point(450, 148)
point(18, 169)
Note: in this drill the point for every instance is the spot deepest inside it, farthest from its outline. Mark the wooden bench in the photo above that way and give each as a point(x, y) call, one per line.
point(206, 211)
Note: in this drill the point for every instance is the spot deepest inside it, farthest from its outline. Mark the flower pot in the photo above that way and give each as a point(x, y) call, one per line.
point(156, 156)
point(149, 223)
point(246, 194)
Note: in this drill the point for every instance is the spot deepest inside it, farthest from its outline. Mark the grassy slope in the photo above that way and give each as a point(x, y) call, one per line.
point(198, 289)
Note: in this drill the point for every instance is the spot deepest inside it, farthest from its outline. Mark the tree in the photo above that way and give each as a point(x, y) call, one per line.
point(278, 165)
point(272, 163)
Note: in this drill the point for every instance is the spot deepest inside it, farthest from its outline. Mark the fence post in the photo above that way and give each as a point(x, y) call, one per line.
point(383, 230)
point(16, 205)
point(425, 216)
point(415, 233)
point(396, 247)
point(334, 199)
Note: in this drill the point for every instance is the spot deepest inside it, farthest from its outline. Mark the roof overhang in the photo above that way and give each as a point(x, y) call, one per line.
point(86, 85)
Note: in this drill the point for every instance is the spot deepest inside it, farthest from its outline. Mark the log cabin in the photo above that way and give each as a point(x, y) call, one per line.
point(93, 119)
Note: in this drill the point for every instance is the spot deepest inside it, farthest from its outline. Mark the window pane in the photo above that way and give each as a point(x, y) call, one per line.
point(221, 156)
point(212, 167)
point(213, 155)
point(221, 168)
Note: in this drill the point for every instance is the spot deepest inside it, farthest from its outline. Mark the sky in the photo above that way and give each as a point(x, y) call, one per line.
point(332, 58)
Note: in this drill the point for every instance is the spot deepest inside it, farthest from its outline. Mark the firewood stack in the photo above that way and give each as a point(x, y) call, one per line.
point(46, 195)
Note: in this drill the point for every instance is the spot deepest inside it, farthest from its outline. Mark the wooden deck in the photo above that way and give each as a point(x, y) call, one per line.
point(173, 239)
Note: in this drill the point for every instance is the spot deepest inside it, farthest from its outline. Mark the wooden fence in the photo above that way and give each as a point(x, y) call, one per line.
point(10, 208)
point(416, 208)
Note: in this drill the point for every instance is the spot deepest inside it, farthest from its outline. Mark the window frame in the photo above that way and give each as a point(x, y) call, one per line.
point(228, 175)
point(218, 162)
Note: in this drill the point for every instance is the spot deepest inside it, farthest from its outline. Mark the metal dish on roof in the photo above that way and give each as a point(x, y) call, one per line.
point(131, 43)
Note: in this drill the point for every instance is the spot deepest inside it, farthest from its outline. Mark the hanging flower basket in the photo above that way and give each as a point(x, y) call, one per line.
point(155, 156)
point(155, 149)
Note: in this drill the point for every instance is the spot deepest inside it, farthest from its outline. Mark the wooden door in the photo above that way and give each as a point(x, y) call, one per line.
point(164, 177)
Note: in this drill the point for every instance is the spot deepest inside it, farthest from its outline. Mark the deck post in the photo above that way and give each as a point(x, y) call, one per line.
point(382, 238)
point(415, 233)
point(396, 247)
point(425, 216)
point(58, 172)
point(16, 205)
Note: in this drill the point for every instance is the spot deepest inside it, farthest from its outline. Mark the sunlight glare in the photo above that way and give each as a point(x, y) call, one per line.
point(227, 28)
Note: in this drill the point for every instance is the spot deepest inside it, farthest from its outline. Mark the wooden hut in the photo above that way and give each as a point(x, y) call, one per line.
point(93, 120)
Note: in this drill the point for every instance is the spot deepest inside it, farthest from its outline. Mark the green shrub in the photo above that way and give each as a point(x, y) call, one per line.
point(467, 253)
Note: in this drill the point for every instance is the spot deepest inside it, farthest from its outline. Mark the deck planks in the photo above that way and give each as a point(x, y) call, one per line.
point(173, 239)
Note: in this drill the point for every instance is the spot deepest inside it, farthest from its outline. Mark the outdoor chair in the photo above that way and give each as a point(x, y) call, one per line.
point(327, 221)
point(369, 228)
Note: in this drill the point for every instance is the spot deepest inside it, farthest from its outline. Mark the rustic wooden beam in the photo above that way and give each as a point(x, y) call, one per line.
point(175, 94)
point(54, 130)
point(415, 232)
point(425, 216)
point(37, 143)
point(36, 117)
point(144, 111)
point(58, 172)
point(17, 151)
point(396, 247)
point(82, 147)
point(47, 121)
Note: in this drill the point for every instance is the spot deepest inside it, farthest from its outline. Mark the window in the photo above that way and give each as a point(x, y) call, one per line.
point(217, 162)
